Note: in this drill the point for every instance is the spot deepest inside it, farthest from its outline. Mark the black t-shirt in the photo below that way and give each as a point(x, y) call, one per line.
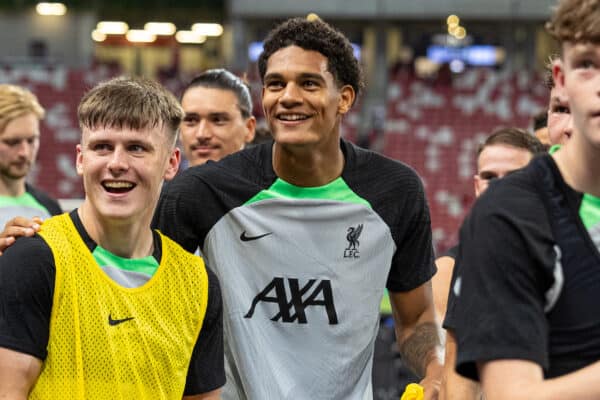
point(51, 205)
point(507, 272)
point(27, 274)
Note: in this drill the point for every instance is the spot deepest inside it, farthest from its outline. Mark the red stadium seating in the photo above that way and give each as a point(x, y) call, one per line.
point(437, 127)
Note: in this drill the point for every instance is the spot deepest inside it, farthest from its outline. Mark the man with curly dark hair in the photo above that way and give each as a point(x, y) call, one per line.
point(316, 35)
point(306, 233)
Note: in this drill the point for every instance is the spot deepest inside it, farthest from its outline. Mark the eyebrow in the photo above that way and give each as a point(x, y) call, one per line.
point(210, 114)
point(303, 75)
point(584, 50)
point(487, 174)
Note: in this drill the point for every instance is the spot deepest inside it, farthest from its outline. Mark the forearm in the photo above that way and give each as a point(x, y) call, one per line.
point(421, 346)
point(456, 387)
point(505, 379)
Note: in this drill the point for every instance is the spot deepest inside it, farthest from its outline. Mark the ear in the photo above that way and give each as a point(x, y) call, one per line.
point(347, 96)
point(173, 164)
point(251, 129)
point(79, 160)
point(558, 74)
point(477, 185)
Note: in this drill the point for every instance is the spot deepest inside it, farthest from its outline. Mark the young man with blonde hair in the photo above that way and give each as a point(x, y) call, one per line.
point(528, 277)
point(98, 305)
point(20, 115)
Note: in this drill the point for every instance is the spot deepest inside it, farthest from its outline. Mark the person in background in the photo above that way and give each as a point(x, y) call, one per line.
point(20, 115)
point(528, 277)
point(218, 117)
point(559, 121)
point(540, 127)
point(503, 152)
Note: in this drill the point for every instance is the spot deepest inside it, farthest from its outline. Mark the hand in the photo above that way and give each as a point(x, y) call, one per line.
point(432, 381)
point(413, 391)
point(18, 227)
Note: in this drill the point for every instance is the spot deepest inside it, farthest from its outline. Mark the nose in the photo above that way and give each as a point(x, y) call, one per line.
point(117, 164)
point(203, 130)
point(291, 95)
point(25, 148)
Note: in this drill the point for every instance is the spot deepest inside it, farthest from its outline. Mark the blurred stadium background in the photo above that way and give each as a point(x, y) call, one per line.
point(441, 74)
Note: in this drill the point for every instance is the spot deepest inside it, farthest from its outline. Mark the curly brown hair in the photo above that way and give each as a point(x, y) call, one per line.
point(575, 21)
point(319, 36)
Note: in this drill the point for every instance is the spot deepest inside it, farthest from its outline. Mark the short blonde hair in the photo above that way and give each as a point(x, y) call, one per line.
point(576, 21)
point(15, 102)
point(133, 103)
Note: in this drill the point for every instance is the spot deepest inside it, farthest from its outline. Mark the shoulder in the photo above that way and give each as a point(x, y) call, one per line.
point(376, 164)
point(51, 204)
point(376, 176)
point(27, 249)
point(248, 167)
point(27, 261)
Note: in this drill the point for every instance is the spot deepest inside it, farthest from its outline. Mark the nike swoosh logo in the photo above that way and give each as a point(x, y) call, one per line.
point(245, 238)
point(113, 322)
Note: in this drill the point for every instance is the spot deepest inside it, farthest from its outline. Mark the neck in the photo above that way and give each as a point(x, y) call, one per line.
point(123, 238)
point(306, 166)
point(579, 164)
point(12, 187)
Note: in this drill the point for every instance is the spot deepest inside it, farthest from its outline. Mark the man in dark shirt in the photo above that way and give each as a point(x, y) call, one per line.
point(503, 152)
point(528, 277)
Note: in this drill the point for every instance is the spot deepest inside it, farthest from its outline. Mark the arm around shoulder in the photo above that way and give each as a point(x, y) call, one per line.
point(454, 386)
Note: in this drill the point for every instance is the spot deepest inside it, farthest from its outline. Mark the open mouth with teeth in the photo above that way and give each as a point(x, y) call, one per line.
point(292, 117)
point(118, 186)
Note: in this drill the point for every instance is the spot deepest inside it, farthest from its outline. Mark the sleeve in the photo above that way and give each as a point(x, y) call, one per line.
point(177, 212)
point(503, 269)
point(207, 371)
point(413, 263)
point(26, 290)
point(449, 323)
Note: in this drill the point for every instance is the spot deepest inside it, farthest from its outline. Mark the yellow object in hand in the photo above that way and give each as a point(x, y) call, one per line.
point(413, 391)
